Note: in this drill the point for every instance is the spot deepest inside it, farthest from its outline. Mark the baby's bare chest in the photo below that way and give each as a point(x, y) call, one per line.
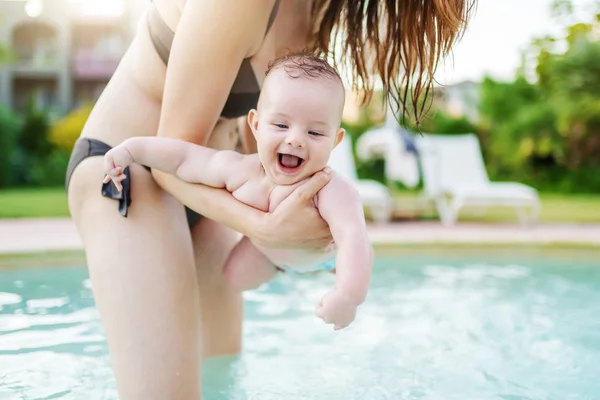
point(259, 194)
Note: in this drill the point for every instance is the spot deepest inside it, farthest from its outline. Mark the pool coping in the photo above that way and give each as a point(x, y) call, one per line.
point(40, 235)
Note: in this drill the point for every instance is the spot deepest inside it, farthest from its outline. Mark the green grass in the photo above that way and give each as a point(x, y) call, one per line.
point(556, 208)
point(33, 203)
point(50, 259)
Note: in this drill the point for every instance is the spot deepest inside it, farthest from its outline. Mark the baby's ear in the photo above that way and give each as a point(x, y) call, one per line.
point(339, 136)
point(253, 121)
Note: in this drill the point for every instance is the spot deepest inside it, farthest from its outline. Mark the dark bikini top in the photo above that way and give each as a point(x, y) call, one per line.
point(245, 90)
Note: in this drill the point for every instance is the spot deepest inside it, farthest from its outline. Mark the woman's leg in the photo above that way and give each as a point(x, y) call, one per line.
point(220, 304)
point(143, 278)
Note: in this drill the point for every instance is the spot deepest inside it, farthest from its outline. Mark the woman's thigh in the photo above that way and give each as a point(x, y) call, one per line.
point(143, 278)
point(221, 306)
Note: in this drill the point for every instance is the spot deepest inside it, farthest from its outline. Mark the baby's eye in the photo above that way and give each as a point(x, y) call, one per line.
point(281, 126)
point(314, 133)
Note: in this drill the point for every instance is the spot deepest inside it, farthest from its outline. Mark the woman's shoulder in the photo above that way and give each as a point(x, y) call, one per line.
point(233, 21)
point(172, 10)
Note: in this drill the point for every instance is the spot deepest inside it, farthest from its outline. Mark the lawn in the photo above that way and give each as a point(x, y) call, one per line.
point(557, 208)
point(33, 203)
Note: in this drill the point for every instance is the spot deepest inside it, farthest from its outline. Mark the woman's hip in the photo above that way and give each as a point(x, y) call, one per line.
point(84, 179)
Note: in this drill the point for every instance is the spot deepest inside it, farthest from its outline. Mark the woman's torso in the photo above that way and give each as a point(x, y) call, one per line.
point(130, 103)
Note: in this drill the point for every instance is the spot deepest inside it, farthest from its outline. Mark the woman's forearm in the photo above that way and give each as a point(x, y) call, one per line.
point(294, 224)
point(216, 204)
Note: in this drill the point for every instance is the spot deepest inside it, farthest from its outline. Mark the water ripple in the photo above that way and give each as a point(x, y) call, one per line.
point(429, 330)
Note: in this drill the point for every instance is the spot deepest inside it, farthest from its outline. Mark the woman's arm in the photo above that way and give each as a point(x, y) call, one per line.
point(213, 203)
point(276, 229)
point(212, 39)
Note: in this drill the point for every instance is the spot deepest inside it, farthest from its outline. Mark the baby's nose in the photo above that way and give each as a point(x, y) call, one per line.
point(295, 139)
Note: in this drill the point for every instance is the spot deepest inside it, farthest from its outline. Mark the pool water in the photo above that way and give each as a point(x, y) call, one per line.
point(434, 327)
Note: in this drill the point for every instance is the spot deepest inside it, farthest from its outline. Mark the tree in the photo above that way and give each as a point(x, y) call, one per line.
point(550, 129)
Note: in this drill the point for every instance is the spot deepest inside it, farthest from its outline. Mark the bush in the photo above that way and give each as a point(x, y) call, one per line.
point(9, 130)
point(32, 145)
point(65, 131)
point(437, 121)
point(35, 161)
point(547, 133)
point(369, 169)
point(33, 137)
point(50, 171)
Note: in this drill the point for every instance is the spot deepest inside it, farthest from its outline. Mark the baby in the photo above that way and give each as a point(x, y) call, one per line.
point(296, 126)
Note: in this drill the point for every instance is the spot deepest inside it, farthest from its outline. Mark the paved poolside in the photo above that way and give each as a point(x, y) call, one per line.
point(41, 235)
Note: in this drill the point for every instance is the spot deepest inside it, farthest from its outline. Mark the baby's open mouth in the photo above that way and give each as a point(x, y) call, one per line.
point(288, 162)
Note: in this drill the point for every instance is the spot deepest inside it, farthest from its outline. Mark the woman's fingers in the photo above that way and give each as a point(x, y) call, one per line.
point(307, 191)
point(297, 222)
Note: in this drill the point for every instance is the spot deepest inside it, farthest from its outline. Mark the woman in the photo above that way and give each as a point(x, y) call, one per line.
point(155, 266)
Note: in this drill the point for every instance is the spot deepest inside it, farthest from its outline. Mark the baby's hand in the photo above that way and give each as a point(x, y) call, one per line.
point(115, 161)
point(336, 308)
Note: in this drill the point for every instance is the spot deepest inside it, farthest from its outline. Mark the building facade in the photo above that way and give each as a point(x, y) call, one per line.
point(65, 51)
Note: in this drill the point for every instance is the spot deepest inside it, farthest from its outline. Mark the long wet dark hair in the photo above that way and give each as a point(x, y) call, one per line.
point(398, 41)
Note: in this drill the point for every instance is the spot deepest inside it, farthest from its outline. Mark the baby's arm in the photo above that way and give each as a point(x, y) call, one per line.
point(189, 162)
point(339, 204)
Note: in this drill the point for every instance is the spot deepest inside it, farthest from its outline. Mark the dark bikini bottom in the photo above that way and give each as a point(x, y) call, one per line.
point(84, 148)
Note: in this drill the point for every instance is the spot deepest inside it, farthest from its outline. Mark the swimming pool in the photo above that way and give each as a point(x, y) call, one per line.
point(436, 326)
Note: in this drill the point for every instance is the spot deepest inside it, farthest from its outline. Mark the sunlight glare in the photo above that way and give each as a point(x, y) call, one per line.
point(96, 8)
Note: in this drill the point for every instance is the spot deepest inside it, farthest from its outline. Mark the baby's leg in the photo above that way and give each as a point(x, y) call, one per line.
point(247, 268)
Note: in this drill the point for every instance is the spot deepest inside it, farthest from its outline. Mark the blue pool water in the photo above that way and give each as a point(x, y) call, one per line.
point(439, 326)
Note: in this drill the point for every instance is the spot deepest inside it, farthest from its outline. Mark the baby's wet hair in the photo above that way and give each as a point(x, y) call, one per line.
point(304, 64)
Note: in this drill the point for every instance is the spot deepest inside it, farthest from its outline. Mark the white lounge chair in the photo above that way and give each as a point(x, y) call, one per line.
point(454, 176)
point(387, 143)
point(375, 196)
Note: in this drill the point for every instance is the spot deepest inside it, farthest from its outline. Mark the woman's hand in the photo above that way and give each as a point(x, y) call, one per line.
point(296, 223)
